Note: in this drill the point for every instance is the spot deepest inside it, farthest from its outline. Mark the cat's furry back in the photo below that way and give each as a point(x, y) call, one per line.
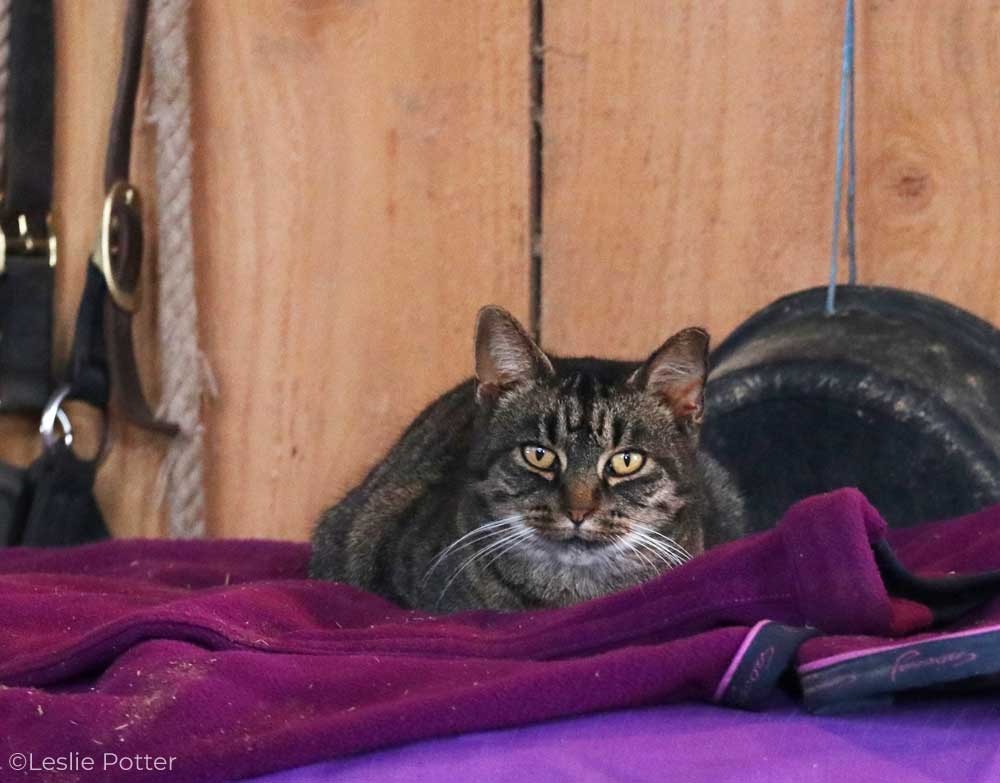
point(459, 471)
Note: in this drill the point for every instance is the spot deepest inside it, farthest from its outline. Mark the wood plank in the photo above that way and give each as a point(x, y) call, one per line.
point(361, 189)
point(929, 108)
point(688, 160)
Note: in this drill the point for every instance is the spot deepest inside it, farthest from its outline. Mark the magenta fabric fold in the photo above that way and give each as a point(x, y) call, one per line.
point(221, 655)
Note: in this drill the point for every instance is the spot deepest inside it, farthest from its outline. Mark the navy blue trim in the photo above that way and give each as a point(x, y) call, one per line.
point(762, 663)
point(924, 664)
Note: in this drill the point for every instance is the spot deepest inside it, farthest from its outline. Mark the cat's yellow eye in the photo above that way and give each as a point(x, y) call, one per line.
point(538, 457)
point(625, 463)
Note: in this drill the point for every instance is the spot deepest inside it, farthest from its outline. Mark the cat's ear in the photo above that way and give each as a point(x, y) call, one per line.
point(506, 357)
point(675, 374)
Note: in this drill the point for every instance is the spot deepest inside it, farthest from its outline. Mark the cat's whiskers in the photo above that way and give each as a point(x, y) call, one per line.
point(664, 541)
point(477, 535)
point(674, 547)
point(667, 556)
point(666, 560)
point(642, 539)
point(510, 538)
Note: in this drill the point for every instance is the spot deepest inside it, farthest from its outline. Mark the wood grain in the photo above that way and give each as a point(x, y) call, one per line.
point(688, 160)
point(361, 189)
point(929, 107)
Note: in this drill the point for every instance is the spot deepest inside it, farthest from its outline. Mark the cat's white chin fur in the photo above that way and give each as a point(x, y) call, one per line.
point(564, 553)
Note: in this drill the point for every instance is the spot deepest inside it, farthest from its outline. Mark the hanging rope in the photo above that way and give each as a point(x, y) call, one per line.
point(845, 127)
point(182, 367)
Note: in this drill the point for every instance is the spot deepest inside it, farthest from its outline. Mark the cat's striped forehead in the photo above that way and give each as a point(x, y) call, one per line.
point(583, 403)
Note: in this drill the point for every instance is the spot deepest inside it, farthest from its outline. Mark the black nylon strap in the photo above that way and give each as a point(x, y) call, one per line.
point(52, 503)
point(63, 511)
point(89, 377)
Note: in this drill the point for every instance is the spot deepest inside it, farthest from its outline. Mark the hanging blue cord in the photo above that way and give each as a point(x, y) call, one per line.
point(845, 126)
point(852, 277)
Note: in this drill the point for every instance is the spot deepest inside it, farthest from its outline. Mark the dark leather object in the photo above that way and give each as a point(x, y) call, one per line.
point(129, 240)
point(51, 503)
point(897, 394)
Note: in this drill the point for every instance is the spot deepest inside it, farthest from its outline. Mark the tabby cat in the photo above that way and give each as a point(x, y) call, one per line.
point(540, 483)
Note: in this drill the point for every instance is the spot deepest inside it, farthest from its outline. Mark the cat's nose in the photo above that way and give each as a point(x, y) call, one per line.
point(578, 515)
point(580, 499)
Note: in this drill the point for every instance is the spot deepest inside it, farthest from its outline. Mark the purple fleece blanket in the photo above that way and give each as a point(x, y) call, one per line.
point(207, 661)
point(950, 740)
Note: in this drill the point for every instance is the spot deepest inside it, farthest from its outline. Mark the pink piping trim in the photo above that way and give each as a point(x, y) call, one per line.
point(835, 659)
point(733, 664)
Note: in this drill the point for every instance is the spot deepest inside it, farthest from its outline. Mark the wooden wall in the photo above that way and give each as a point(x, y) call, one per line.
point(364, 182)
point(689, 159)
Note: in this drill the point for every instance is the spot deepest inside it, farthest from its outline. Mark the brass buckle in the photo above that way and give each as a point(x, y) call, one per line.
point(24, 243)
point(118, 253)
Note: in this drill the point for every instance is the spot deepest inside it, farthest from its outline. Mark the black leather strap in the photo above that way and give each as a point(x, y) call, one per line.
point(126, 249)
point(116, 164)
point(27, 276)
point(30, 112)
point(26, 293)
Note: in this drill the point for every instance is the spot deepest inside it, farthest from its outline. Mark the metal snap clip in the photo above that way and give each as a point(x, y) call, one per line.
point(54, 414)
